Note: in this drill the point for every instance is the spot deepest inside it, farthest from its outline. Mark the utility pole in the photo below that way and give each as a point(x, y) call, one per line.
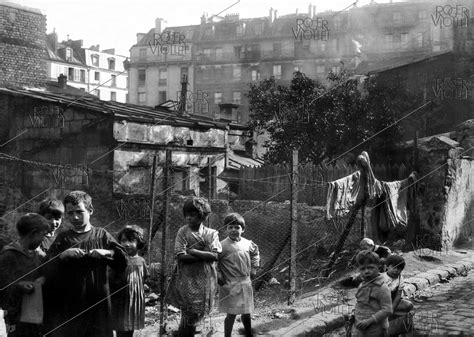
point(167, 196)
point(294, 225)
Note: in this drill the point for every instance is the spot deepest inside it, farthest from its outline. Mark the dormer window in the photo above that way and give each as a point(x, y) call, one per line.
point(95, 60)
point(111, 61)
point(68, 54)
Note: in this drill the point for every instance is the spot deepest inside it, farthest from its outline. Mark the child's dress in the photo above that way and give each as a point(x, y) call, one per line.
point(235, 263)
point(193, 285)
point(128, 302)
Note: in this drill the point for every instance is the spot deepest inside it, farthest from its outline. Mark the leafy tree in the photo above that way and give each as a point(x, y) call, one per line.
point(325, 121)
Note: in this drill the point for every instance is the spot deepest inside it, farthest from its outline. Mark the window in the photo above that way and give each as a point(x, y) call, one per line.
point(419, 40)
point(96, 92)
point(336, 70)
point(113, 96)
point(237, 51)
point(68, 54)
point(240, 30)
point(277, 71)
point(218, 54)
point(259, 28)
point(388, 41)
point(83, 76)
point(337, 24)
point(77, 75)
point(162, 76)
point(111, 63)
point(184, 71)
point(207, 52)
point(141, 76)
point(397, 17)
point(236, 72)
point(322, 46)
point(142, 54)
point(141, 98)
point(422, 15)
point(95, 60)
point(320, 69)
point(236, 97)
point(70, 74)
point(255, 75)
point(217, 97)
point(97, 76)
point(404, 40)
point(277, 49)
point(161, 96)
point(113, 81)
point(298, 68)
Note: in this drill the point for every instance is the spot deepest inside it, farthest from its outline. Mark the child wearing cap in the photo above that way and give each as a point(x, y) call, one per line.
point(20, 274)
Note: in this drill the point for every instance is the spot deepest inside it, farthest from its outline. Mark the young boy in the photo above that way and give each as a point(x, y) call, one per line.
point(366, 244)
point(81, 305)
point(19, 265)
point(374, 304)
point(52, 210)
point(237, 263)
point(394, 281)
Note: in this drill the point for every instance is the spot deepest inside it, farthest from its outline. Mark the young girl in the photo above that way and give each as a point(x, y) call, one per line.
point(193, 285)
point(128, 302)
point(237, 262)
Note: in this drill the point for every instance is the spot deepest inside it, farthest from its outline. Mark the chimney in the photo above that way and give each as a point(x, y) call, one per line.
point(140, 36)
point(309, 10)
point(275, 14)
point(158, 25)
point(62, 81)
point(297, 11)
point(314, 11)
point(203, 18)
point(271, 14)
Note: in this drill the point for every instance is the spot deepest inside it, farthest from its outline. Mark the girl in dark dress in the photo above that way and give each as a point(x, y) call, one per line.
point(128, 299)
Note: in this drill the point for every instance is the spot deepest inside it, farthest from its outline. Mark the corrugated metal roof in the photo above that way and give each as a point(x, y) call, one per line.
point(237, 161)
point(144, 114)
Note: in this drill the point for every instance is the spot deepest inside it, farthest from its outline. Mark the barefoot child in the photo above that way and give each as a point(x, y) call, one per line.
point(394, 281)
point(78, 274)
point(237, 262)
point(19, 263)
point(193, 285)
point(374, 304)
point(128, 299)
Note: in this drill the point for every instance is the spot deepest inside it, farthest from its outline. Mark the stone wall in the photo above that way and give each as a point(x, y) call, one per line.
point(22, 46)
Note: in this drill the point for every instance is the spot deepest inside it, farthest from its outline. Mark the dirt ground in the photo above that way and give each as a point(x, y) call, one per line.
point(272, 311)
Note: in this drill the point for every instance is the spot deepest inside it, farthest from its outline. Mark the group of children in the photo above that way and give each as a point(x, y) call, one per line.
point(77, 283)
point(82, 282)
point(380, 292)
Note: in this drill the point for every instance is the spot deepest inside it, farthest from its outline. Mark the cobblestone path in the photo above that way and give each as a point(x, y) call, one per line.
point(446, 309)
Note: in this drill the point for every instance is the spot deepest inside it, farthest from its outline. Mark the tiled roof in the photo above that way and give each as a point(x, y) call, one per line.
point(237, 161)
point(131, 112)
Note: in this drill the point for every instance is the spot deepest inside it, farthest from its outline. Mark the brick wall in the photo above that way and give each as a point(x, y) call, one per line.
point(22, 46)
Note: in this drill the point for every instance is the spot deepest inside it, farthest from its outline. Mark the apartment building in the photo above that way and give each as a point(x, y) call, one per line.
point(224, 54)
point(101, 73)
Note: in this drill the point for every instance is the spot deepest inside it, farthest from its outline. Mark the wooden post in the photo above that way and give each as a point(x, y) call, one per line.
point(167, 195)
point(209, 186)
point(294, 224)
point(152, 206)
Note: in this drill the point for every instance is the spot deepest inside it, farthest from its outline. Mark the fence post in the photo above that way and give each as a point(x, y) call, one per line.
point(167, 194)
point(152, 206)
point(294, 228)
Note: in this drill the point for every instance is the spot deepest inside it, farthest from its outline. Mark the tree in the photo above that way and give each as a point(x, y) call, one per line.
point(325, 121)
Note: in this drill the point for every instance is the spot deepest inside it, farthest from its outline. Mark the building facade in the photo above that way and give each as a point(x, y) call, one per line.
point(223, 55)
point(101, 73)
point(22, 46)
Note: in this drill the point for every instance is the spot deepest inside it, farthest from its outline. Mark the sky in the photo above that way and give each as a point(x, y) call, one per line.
point(115, 23)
